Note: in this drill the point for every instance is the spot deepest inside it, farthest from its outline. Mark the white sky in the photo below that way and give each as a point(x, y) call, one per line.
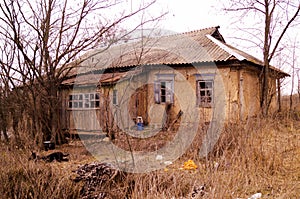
point(185, 15)
point(191, 15)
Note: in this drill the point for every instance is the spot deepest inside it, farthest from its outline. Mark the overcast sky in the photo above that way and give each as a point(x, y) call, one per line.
point(188, 15)
point(191, 15)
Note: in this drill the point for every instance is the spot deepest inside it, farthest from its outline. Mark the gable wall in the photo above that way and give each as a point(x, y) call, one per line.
point(243, 93)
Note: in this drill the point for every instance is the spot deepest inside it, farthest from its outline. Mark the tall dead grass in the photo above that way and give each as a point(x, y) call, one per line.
point(21, 178)
point(257, 155)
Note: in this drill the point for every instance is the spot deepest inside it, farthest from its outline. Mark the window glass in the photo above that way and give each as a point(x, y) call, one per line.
point(85, 101)
point(164, 88)
point(204, 93)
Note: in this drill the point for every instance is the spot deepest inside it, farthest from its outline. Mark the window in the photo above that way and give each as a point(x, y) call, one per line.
point(205, 93)
point(164, 89)
point(84, 100)
point(115, 97)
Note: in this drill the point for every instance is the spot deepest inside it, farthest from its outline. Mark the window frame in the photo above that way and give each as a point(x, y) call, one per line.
point(205, 94)
point(164, 94)
point(84, 101)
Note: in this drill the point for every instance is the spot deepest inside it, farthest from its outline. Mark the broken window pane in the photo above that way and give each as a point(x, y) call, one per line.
point(205, 93)
point(165, 93)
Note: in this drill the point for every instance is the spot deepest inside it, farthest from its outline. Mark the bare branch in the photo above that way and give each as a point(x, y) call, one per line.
point(243, 9)
point(283, 32)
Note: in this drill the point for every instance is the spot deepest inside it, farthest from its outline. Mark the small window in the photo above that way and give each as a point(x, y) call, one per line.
point(115, 97)
point(164, 89)
point(86, 101)
point(205, 93)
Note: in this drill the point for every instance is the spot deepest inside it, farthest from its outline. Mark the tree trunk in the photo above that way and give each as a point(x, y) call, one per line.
point(279, 94)
point(54, 119)
point(292, 90)
point(266, 52)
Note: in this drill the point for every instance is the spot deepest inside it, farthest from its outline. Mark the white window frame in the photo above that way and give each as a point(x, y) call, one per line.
point(164, 88)
point(84, 100)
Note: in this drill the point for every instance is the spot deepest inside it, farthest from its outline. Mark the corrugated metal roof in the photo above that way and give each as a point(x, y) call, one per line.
point(241, 56)
point(206, 45)
point(94, 79)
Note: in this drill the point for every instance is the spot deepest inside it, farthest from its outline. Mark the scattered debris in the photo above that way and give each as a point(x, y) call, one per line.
point(189, 165)
point(58, 156)
point(168, 162)
point(178, 116)
point(198, 191)
point(95, 176)
point(106, 139)
point(256, 196)
point(216, 165)
point(159, 157)
point(48, 145)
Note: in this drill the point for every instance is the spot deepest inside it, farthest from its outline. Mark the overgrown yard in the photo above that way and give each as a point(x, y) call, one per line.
point(257, 156)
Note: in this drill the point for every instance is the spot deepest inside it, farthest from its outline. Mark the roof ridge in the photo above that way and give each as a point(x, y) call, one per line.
point(188, 32)
point(199, 30)
point(165, 36)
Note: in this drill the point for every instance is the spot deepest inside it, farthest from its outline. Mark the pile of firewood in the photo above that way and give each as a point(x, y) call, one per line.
point(97, 178)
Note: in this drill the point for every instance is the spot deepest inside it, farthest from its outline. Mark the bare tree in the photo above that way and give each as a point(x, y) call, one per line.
point(293, 66)
point(6, 62)
point(46, 36)
point(3, 110)
point(273, 19)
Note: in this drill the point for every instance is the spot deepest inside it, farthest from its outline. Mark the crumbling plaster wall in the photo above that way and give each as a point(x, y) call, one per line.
point(243, 90)
point(243, 93)
point(236, 97)
point(185, 94)
point(127, 88)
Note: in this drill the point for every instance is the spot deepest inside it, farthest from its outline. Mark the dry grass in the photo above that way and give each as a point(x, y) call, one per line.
point(21, 178)
point(259, 155)
point(143, 144)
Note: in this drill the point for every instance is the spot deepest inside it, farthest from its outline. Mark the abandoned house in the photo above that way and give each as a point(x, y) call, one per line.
point(195, 76)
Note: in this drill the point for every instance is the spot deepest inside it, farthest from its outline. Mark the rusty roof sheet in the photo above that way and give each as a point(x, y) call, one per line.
point(206, 45)
point(94, 79)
